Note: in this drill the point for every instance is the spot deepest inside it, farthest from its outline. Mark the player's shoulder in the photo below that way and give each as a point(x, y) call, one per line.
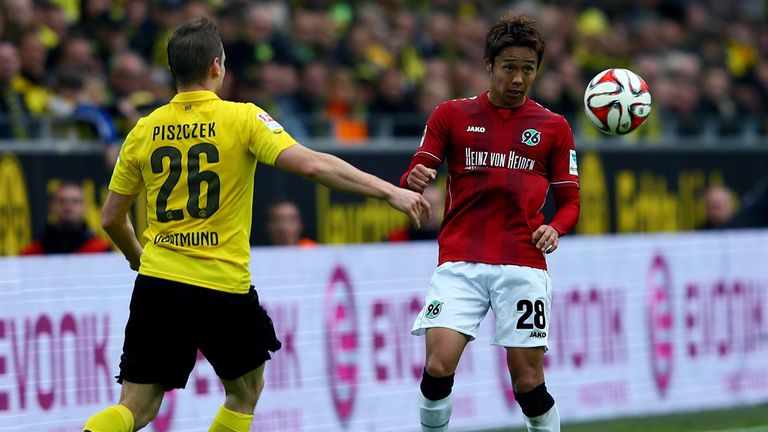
point(453, 108)
point(546, 115)
point(460, 103)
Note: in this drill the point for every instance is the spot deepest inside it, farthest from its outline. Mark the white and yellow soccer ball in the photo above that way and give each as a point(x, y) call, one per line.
point(617, 101)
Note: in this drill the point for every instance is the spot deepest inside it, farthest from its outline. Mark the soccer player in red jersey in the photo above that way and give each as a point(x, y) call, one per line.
point(503, 151)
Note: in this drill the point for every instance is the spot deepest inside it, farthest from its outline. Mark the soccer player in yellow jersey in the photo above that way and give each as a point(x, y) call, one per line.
point(195, 158)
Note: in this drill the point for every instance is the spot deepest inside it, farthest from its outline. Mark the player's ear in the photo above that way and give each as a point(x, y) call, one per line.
point(488, 65)
point(216, 67)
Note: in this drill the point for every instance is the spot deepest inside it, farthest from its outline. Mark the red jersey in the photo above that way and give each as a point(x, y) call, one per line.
point(501, 163)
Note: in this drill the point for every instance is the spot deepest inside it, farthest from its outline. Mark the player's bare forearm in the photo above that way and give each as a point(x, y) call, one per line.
point(114, 220)
point(339, 174)
point(333, 172)
point(122, 234)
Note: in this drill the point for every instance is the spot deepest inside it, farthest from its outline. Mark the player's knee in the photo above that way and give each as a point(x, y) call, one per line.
point(436, 388)
point(439, 368)
point(536, 401)
point(525, 382)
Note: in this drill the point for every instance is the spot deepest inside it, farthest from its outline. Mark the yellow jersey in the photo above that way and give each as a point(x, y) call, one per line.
point(196, 157)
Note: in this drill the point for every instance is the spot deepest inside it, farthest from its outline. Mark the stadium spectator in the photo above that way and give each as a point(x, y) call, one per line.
point(193, 289)
point(345, 109)
point(387, 111)
point(129, 80)
point(66, 231)
point(33, 80)
point(368, 39)
point(311, 97)
point(493, 240)
point(285, 226)
point(718, 207)
point(14, 114)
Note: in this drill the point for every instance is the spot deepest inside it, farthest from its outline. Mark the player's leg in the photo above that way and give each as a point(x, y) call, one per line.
point(158, 354)
point(236, 339)
point(521, 298)
point(242, 395)
point(139, 404)
point(456, 302)
point(444, 349)
point(526, 368)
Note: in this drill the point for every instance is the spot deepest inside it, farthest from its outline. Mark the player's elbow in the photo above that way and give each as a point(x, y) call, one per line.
point(313, 168)
point(109, 220)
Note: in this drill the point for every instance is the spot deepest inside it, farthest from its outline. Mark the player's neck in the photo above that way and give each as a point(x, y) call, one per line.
point(206, 86)
point(497, 103)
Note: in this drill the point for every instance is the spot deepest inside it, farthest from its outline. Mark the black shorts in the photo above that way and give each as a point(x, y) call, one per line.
point(169, 321)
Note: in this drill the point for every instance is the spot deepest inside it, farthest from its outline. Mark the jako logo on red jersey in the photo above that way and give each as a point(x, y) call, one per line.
point(475, 129)
point(341, 343)
point(660, 322)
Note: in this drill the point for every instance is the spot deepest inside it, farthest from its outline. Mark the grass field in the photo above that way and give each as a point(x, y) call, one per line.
point(748, 419)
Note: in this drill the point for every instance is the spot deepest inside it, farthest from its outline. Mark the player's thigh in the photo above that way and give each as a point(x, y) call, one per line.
point(159, 347)
point(521, 299)
point(526, 367)
point(237, 335)
point(457, 299)
point(444, 349)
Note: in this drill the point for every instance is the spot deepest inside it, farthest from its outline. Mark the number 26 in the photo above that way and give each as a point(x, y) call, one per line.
point(195, 178)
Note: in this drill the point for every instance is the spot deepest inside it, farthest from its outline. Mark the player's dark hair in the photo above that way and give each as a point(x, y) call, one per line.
point(513, 30)
point(191, 49)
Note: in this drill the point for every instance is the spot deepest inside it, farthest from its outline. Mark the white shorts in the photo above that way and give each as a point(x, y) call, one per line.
point(460, 294)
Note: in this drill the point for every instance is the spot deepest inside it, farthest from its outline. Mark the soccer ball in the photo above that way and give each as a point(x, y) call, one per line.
point(617, 101)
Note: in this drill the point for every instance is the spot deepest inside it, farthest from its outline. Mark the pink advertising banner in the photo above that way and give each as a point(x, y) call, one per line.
point(640, 325)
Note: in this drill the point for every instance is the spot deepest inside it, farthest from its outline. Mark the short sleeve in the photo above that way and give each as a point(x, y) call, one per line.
point(126, 176)
point(268, 138)
point(563, 166)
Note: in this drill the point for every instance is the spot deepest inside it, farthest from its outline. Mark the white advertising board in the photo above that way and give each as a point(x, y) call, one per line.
point(640, 325)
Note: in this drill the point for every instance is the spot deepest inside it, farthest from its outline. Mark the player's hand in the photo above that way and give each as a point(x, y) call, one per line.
point(546, 239)
point(411, 203)
point(135, 265)
point(419, 177)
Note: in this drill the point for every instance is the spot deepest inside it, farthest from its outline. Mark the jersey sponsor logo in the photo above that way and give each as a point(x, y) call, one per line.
point(474, 159)
point(531, 137)
point(478, 129)
point(433, 309)
point(573, 167)
point(189, 239)
point(271, 123)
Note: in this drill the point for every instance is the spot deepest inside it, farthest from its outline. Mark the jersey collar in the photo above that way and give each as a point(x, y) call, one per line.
point(193, 96)
point(504, 113)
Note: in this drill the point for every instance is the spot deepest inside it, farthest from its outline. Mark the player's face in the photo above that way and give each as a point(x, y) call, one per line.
point(512, 74)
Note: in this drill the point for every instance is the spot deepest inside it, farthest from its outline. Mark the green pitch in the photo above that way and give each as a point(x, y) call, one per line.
point(746, 419)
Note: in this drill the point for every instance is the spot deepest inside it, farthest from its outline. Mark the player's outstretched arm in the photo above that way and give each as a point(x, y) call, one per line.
point(333, 172)
point(114, 220)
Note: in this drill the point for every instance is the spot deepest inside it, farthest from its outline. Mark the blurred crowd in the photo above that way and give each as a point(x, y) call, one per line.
point(353, 70)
